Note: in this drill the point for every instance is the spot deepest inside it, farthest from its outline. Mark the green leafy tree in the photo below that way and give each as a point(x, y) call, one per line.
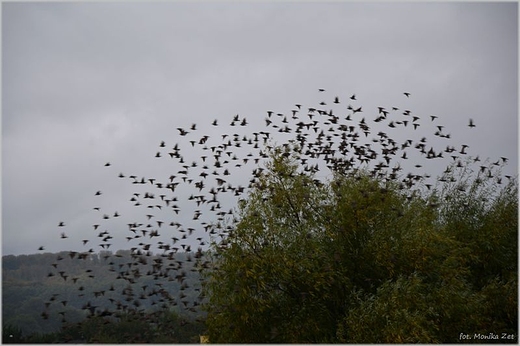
point(272, 276)
point(362, 259)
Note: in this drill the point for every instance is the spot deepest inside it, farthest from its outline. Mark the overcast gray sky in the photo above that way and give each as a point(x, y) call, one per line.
point(88, 83)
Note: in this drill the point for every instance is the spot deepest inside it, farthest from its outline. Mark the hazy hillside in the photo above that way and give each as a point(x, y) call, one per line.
point(37, 298)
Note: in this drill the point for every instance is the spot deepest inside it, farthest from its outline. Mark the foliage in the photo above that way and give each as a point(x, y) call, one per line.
point(361, 259)
point(164, 327)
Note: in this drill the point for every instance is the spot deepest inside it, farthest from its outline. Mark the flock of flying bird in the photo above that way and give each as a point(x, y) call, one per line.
point(207, 178)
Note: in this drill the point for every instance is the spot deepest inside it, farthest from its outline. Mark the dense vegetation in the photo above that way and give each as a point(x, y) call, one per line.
point(360, 259)
point(150, 328)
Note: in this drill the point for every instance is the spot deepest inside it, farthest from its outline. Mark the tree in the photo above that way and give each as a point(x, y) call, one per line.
point(274, 271)
point(363, 259)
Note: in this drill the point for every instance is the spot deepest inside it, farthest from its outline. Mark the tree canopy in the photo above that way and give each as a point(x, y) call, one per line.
point(362, 259)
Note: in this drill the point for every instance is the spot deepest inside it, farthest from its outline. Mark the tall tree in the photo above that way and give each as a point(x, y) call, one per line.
point(361, 259)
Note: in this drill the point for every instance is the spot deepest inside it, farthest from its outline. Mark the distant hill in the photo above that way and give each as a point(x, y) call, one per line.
point(38, 297)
